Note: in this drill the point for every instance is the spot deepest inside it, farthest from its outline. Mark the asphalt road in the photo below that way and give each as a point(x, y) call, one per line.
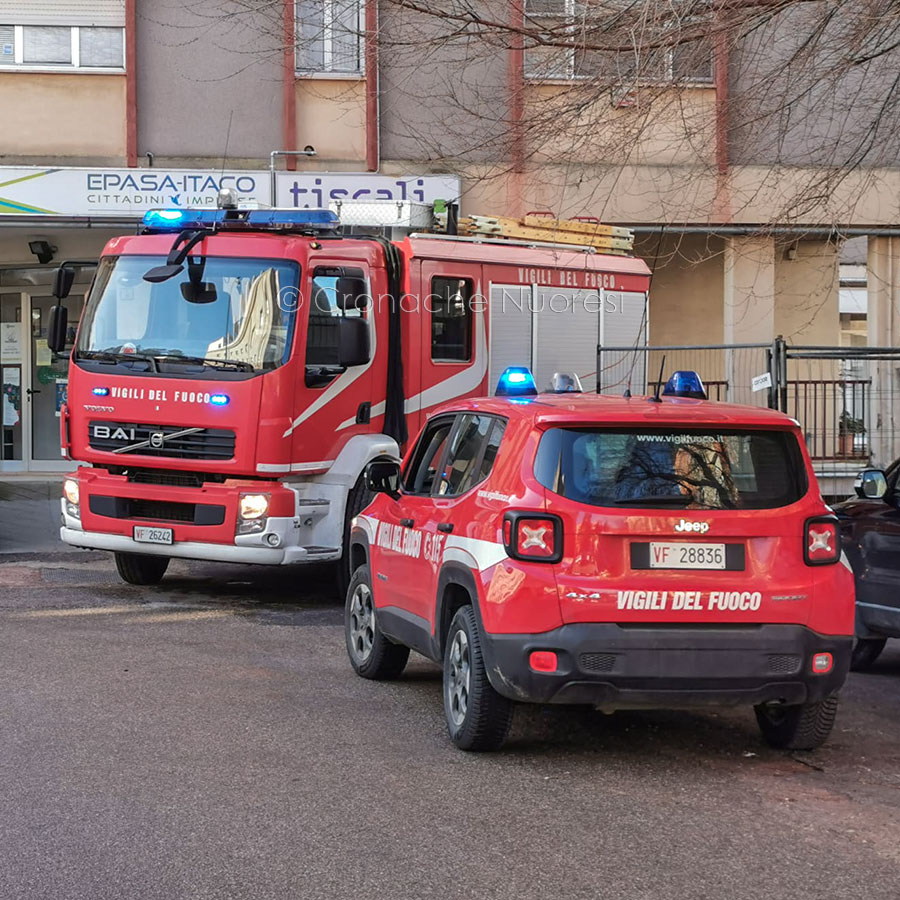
point(208, 739)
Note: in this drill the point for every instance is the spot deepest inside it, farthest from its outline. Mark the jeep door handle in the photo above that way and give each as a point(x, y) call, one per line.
point(446, 527)
point(407, 523)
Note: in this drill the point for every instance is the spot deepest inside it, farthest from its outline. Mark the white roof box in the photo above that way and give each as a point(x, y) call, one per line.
point(383, 213)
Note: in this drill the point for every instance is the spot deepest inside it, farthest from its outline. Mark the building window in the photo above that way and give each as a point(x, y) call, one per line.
point(329, 37)
point(451, 319)
point(690, 61)
point(62, 47)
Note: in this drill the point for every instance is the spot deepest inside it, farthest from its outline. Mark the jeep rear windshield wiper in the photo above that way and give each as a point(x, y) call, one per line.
point(239, 364)
point(661, 500)
point(117, 357)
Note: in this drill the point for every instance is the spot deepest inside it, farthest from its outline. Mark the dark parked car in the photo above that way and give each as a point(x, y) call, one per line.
point(870, 535)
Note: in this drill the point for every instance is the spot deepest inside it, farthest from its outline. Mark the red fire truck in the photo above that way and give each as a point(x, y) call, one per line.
point(234, 371)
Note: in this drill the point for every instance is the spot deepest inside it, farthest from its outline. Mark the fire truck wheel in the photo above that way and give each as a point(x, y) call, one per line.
point(865, 652)
point(357, 500)
point(371, 654)
point(135, 568)
point(803, 727)
point(477, 716)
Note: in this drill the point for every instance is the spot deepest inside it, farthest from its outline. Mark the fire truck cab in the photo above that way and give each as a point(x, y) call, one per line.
point(235, 371)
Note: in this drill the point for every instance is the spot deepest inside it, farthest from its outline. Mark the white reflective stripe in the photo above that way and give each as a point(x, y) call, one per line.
point(455, 386)
point(343, 381)
point(845, 562)
point(272, 467)
point(369, 524)
point(312, 466)
point(473, 552)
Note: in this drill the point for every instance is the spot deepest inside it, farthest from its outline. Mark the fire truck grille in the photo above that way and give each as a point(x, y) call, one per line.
point(167, 479)
point(179, 441)
point(597, 662)
point(784, 663)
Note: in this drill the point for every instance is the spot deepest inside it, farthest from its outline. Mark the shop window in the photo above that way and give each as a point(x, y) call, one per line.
point(451, 319)
point(329, 37)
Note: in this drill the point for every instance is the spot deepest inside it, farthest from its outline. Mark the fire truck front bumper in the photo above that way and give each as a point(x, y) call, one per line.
point(122, 517)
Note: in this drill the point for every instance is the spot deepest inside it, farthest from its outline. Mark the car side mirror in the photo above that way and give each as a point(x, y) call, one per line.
point(62, 283)
point(351, 292)
point(57, 326)
point(871, 484)
point(353, 342)
point(383, 477)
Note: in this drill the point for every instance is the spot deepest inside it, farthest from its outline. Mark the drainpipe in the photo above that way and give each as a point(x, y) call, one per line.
point(288, 90)
point(516, 89)
point(130, 84)
point(373, 88)
point(722, 205)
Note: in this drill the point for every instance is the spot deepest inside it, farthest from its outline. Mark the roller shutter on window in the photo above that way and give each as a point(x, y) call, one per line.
point(99, 13)
point(7, 45)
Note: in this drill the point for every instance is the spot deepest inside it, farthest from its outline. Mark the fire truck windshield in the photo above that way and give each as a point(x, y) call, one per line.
point(219, 313)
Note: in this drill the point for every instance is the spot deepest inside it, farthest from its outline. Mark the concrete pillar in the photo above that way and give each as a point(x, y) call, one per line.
point(883, 326)
point(748, 311)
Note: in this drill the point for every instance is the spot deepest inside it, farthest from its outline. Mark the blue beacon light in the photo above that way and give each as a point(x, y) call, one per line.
point(685, 383)
point(100, 391)
point(219, 399)
point(516, 381)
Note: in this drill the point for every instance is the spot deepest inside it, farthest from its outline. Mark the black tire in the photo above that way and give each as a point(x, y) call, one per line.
point(371, 654)
point(865, 652)
point(136, 568)
point(803, 727)
point(477, 716)
point(357, 500)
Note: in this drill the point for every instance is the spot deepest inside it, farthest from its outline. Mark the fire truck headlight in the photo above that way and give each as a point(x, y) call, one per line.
point(253, 512)
point(253, 506)
point(70, 493)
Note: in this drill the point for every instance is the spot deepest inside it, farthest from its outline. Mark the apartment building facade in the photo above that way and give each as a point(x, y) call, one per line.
point(115, 106)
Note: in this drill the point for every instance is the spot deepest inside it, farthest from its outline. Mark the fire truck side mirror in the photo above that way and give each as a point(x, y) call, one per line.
point(352, 292)
point(62, 283)
point(57, 325)
point(383, 477)
point(353, 342)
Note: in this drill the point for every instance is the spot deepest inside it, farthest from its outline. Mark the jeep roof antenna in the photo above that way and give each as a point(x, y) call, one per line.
point(662, 367)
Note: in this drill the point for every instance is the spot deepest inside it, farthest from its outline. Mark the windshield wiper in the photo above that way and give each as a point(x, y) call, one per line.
point(238, 364)
point(117, 357)
point(661, 500)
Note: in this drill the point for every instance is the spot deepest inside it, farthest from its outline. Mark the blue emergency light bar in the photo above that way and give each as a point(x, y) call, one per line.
point(516, 381)
point(685, 384)
point(162, 221)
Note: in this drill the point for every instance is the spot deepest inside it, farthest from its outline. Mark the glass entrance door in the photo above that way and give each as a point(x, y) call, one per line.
point(48, 382)
point(13, 374)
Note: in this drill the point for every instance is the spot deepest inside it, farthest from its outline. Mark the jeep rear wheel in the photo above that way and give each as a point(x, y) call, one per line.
point(477, 716)
point(136, 568)
point(803, 727)
point(372, 655)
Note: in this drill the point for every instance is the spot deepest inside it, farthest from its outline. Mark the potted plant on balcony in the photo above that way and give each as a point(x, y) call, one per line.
point(848, 427)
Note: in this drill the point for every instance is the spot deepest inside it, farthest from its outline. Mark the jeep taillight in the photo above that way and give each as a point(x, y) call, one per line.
point(532, 536)
point(822, 541)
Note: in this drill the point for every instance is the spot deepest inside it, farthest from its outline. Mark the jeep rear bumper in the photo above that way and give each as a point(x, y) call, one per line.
point(616, 667)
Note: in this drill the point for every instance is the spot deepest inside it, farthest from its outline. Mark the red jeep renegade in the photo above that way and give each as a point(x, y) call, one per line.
point(625, 553)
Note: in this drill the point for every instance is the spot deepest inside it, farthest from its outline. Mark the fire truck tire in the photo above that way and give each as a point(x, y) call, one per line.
point(478, 718)
point(803, 727)
point(865, 652)
point(135, 568)
point(357, 500)
point(371, 654)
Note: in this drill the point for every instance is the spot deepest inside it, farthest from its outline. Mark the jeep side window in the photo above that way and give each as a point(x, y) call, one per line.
point(473, 448)
point(420, 476)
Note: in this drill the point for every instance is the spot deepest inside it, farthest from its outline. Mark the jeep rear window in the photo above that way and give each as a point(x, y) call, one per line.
point(672, 468)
